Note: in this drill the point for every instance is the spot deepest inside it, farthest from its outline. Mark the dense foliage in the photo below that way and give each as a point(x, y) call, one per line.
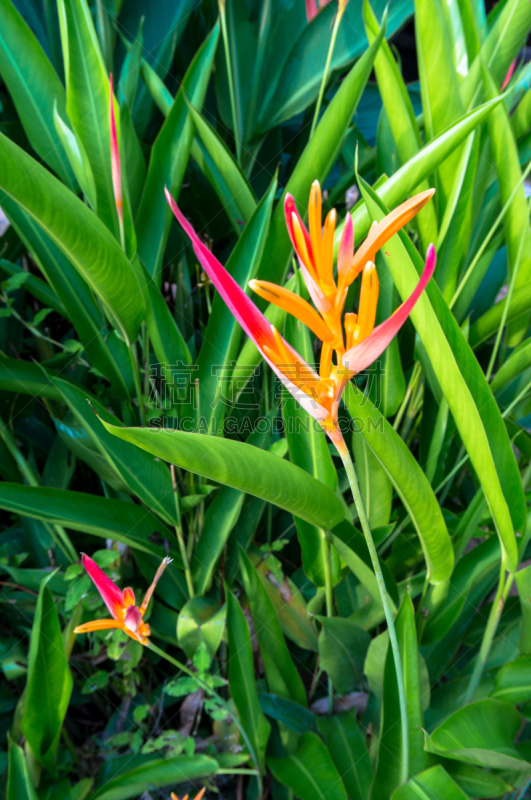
point(270, 672)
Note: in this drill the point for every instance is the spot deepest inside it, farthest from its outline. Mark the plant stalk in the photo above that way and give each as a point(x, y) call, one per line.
point(496, 610)
point(340, 10)
point(180, 537)
point(136, 375)
point(342, 449)
point(329, 604)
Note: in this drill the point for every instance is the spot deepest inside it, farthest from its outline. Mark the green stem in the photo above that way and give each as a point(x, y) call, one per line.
point(136, 375)
point(224, 34)
point(490, 631)
point(329, 603)
point(351, 474)
point(327, 67)
point(212, 692)
point(180, 537)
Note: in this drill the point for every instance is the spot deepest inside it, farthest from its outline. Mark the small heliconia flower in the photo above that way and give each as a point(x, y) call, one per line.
point(314, 6)
point(116, 170)
point(126, 615)
point(352, 338)
point(198, 796)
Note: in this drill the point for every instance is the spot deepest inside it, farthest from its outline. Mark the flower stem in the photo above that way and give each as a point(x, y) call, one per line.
point(212, 692)
point(136, 375)
point(342, 449)
point(496, 610)
point(329, 603)
point(335, 29)
point(223, 18)
point(180, 537)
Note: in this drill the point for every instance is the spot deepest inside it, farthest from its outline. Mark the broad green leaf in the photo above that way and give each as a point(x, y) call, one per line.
point(49, 682)
point(242, 681)
point(504, 153)
point(166, 338)
point(294, 716)
point(220, 518)
point(489, 322)
point(436, 69)
point(223, 334)
point(348, 750)
point(518, 362)
point(229, 170)
point(25, 377)
point(513, 682)
point(88, 108)
point(77, 157)
point(281, 675)
point(409, 482)
point(434, 782)
point(308, 449)
point(309, 772)
point(241, 466)
point(117, 520)
point(376, 488)
point(317, 160)
point(387, 777)
point(19, 785)
point(474, 409)
point(145, 477)
point(105, 350)
point(34, 87)
point(78, 233)
point(343, 646)
point(169, 157)
point(476, 781)
point(143, 773)
point(483, 734)
point(201, 620)
point(290, 607)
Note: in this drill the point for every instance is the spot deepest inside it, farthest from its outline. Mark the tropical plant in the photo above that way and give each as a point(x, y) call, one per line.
point(289, 641)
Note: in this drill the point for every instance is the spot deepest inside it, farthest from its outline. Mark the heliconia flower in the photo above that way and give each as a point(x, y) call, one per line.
point(198, 796)
point(116, 169)
point(126, 615)
point(313, 7)
point(509, 75)
point(355, 347)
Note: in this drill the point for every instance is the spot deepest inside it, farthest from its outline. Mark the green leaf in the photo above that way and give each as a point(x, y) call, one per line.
point(201, 620)
point(81, 236)
point(220, 518)
point(34, 88)
point(281, 675)
point(242, 681)
point(317, 160)
point(77, 157)
point(475, 781)
point(483, 734)
point(475, 411)
point(343, 646)
point(49, 682)
point(348, 750)
point(434, 782)
point(308, 449)
point(106, 352)
point(518, 362)
point(224, 161)
point(387, 777)
point(294, 716)
point(19, 785)
point(223, 334)
point(504, 153)
point(145, 477)
point(436, 70)
point(169, 157)
point(513, 682)
point(489, 322)
point(523, 583)
point(376, 488)
point(241, 466)
point(88, 107)
point(150, 774)
point(105, 518)
point(309, 772)
point(409, 482)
